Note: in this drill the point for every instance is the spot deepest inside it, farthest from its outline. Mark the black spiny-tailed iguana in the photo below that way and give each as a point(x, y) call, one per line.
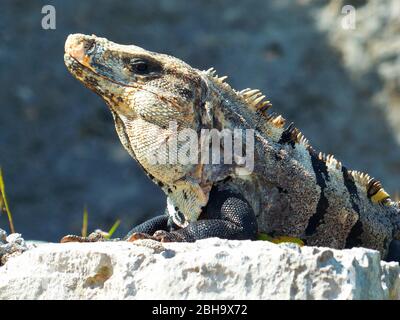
point(292, 191)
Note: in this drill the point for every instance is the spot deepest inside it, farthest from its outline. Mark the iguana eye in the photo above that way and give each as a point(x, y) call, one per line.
point(139, 66)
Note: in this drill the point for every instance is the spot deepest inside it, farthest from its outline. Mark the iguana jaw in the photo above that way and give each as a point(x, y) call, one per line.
point(109, 70)
point(143, 102)
point(78, 62)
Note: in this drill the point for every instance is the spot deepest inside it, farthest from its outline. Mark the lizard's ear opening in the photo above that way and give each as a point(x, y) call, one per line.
point(204, 108)
point(204, 90)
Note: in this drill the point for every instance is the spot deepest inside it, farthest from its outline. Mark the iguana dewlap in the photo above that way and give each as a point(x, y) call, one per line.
point(290, 191)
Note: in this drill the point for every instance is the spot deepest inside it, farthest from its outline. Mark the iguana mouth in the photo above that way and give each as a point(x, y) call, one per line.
point(72, 63)
point(78, 69)
point(78, 62)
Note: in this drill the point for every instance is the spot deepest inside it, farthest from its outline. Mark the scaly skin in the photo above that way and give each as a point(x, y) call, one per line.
point(292, 190)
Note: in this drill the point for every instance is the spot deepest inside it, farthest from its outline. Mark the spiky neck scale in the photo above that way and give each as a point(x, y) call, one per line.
point(257, 106)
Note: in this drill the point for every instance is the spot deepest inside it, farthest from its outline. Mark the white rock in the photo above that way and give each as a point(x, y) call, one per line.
point(3, 236)
point(15, 238)
point(207, 269)
point(11, 246)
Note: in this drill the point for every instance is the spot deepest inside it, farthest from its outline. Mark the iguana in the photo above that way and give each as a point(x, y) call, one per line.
point(292, 191)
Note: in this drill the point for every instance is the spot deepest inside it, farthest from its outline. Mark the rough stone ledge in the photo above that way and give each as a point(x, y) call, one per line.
point(207, 269)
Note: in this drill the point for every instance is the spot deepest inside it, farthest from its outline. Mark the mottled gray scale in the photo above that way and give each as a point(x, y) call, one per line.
point(339, 217)
point(322, 177)
point(354, 237)
point(121, 131)
point(377, 227)
point(290, 171)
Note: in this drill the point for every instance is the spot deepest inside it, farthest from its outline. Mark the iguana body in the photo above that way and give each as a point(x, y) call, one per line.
point(292, 190)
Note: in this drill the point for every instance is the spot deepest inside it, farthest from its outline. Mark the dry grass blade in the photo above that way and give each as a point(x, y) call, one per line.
point(4, 203)
point(85, 222)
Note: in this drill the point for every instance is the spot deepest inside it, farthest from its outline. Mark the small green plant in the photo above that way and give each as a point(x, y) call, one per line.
point(4, 203)
point(85, 219)
point(264, 237)
point(281, 239)
point(113, 228)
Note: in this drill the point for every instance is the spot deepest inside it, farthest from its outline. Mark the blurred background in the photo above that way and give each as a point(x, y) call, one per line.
point(58, 147)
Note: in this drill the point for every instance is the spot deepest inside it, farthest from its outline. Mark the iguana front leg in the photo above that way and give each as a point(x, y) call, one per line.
point(93, 237)
point(146, 229)
point(228, 215)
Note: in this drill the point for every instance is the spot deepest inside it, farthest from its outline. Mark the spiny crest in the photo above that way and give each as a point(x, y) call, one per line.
point(252, 98)
point(211, 72)
point(360, 177)
point(376, 192)
point(292, 136)
point(302, 139)
point(330, 160)
point(221, 80)
point(373, 187)
point(276, 120)
point(255, 100)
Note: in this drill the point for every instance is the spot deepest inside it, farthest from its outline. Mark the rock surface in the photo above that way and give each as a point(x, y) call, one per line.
point(11, 245)
point(207, 269)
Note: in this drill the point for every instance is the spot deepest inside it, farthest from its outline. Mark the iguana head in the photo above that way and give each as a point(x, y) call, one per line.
point(135, 82)
point(145, 92)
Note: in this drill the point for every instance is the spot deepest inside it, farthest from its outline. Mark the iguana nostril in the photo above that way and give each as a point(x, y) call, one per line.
point(80, 48)
point(75, 47)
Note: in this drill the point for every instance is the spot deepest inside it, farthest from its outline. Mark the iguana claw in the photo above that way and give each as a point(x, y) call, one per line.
point(93, 237)
point(160, 235)
point(139, 236)
point(165, 236)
